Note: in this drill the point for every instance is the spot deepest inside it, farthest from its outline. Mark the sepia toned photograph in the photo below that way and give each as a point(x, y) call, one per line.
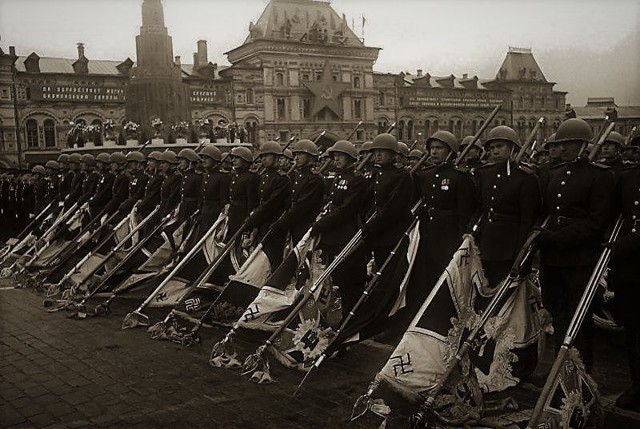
point(352, 214)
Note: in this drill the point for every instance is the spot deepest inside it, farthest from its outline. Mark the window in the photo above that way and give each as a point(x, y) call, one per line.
point(357, 108)
point(356, 82)
point(49, 133)
point(409, 130)
point(427, 129)
point(334, 77)
point(360, 135)
point(32, 133)
point(250, 96)
point(279, 79)
point(284, 136)
point(280, 108)
point(381, 101)
point(401, 130)
point(306, 108)
point(305, 77)
point(319, 76)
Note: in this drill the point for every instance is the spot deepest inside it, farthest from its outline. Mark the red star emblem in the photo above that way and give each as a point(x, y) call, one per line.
point(326, 92)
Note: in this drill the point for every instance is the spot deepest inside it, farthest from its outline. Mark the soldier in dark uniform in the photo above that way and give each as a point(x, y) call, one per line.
point(91, 178)
point(402, 158)
point(611, 153)
point(449, 205)
point(307, 193)
point(414, 156)
point(151, 195)
point(577, 202)
point(190, 186)
point(215, 188)
point(274, 193)
point(285, 161)
point(137, 181)
point(510, 200)
point(170, 188)
point(52, 183)
point(120, 185)
point(341, 222)
point(243, 190)
point(624, 277)
point(76, 183)
point(104, 186)
point(392, 193)
point(471, 162)
point(66, 177)
point(39, 189)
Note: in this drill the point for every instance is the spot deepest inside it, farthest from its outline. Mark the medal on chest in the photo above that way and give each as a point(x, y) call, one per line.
point(444, 185)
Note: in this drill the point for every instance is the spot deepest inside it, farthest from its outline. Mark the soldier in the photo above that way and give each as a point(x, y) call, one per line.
point(274, 192)
point(66, 177)
point(170, 188)
point(39, 189)
point(611, 153)
point(243, 190)
point(52, 183)
point(510, 201)
point(307, 192)
point(471, 161)
point(392, 192)
point(631, 151)
point(342, 222)
point(104, 186)
point(120, 185)
point(285, 161)
point(402, 158)
point(414, 156)
point(190, 186)
point(215, 188)
point(91, 178)
point(76, 183)
point(151, 195)
point(576, 201)
point(624, 277)
point(449, 205)
point(137, 181)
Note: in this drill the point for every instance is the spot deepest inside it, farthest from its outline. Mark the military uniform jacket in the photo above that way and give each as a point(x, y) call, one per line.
point(343, 218)
point(65, 185)
point(137, 185)
point(274, 193)
point(449, 204)
point(577, 200)
point(626, 251)
point(243, 197)
point(40, 196)
point(76, 189)
point(52, 189)
point(215, 194)
point(169, 193)
point(151, 196)
point(392, 192)
point(190, 193)
point(307, 194)
point(102, 193)
point(119, 192)
point(510, 198)
point(89, 186)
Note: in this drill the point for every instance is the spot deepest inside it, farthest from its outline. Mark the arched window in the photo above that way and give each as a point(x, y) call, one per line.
point(427, 129)
point(31, 127)
point(252, 131)
point(49, 133)
point(279, 79)
point(97, 135)
point(356, 82)
point(409, 131)
point(401, 130)
point(474, 127)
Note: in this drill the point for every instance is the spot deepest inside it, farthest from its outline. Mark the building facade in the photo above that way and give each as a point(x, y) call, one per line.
point(300, 71)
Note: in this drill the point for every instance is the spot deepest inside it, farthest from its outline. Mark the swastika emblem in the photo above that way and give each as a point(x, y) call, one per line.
point(402, 367)
point(162, 296)
point(251, 313)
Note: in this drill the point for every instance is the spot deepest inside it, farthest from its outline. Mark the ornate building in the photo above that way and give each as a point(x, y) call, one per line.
point(300, 71)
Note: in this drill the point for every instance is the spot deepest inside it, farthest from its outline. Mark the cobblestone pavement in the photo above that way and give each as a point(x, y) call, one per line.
point(57, 373)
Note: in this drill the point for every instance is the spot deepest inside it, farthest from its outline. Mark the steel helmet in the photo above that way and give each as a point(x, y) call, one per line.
point(212, 152)
point(365, 147)
point(467, 140)
point(550, 139)
point(385, 141)
point(445, 137)
point(136, 156)
point(403, 149)
point(157, 155)
point(38, 169)
point(63, 157)
point(344, 146)
point(52, 164)
point(287, 153)
point(103, 157)
point(270, 147)
point(75, 157)
point(118, 158)
point(189, 154)
point(169, 157)
point(306, 146)
point(573, 129)
point(617, 138)
point(243, 153)
point(502, 132)
point(415, 154)
point(88, 159)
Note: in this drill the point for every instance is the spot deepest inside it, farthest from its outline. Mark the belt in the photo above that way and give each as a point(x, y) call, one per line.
point(190, 199)
point(564, 220)
point(440, 213)
point(499, 217)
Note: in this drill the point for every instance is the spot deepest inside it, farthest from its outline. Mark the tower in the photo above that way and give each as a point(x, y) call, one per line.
point(155, 88)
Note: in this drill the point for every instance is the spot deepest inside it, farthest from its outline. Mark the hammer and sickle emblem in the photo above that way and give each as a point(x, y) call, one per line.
point(327, 93)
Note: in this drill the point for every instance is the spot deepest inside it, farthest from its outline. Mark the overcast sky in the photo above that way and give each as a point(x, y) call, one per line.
point(589, 47)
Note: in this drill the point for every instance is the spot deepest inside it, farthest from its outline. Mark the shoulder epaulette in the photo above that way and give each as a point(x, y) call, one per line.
point(487, 165)
point(562, 164)
point(600, 165)
point(527, 168)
